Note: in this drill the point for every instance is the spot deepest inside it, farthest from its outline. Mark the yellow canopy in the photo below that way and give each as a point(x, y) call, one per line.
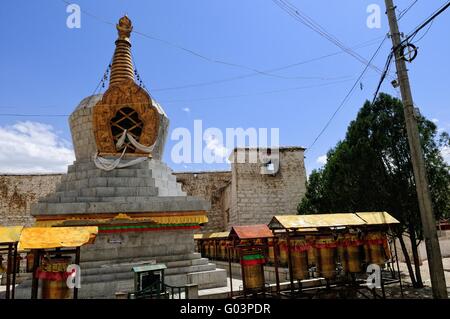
point(378, 218)
point(56, 237)
point(316, 220)
point(10, 234)
point(212, 235)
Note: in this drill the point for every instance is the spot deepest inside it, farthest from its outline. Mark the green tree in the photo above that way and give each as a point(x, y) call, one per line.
point(370, 170)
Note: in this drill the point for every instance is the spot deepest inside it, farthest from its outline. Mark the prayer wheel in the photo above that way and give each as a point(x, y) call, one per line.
point(206, 248)
point(342, 253)
point(375, 242)
point(53, 274)
point(387, 248)
point(283, 249)
point(299, 257)
point(212, 249)
point(223, 249)
point(353, 248)
point(271, 253)
point(253, 270)
point(326, 247)
point(30, 262)
point(312, 251)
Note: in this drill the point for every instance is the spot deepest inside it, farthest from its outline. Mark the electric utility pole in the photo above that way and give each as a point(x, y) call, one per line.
point(420, 175)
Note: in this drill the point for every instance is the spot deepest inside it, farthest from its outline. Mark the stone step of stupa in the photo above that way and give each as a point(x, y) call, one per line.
point(176, 260)
point(106, 182)
point(152, 204)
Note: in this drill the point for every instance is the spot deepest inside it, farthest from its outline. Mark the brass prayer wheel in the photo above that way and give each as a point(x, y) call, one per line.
point(253, 270)
point(353, 248)
point(282, 244)
point(271, 253)
point(253, 277)
point(223, 249)
point(326, 246)
point(212, 249)
point(205, 249)
point(53, 274)
point(299, 257)
point(312, 251)
point(342, 253)
point(375, 243)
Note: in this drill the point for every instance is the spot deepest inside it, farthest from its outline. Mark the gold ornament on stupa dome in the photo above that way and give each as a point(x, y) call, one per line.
point(124, 27)
point(125, 108)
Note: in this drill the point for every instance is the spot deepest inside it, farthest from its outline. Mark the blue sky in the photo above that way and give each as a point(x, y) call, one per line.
point(47, 68)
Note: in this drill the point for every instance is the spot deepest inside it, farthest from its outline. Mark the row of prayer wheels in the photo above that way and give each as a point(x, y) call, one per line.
point(218, 249)
point(215, 249)
point(347, 253)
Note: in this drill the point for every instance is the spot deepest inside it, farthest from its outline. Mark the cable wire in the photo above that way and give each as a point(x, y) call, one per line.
point(347, 96)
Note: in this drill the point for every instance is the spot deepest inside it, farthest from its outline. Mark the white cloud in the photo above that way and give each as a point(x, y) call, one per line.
point(186, 109)
point(322, 160)
point(216, 147)
point(435, 121)
point(33, 147)
point(445, 151)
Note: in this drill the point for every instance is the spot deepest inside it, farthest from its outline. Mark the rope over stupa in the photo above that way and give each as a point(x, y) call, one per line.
point(122, 65)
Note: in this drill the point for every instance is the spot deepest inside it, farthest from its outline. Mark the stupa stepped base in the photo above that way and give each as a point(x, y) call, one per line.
point(149, 186)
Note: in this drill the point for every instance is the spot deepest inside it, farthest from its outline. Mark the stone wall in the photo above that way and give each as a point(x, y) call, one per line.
point(238, 197)
point(257, 197)
point(211, 187)
point(17, 192)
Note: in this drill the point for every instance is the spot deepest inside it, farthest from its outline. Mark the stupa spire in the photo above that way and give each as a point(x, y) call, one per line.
point(122, 65)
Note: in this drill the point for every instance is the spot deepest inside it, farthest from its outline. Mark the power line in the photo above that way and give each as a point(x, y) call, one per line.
point(347, 96)
point(316, 27)
point(258, 93)
point(383, 76)
point(247, 75)
point(424, 34)
point(410, 37)
point(424, 24)
point(180, 47)
point(188, 100)
point(402, 13)
point(33, 115)
point(204, 57)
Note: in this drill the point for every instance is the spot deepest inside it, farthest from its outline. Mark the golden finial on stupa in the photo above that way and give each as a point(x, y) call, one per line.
point(124, 27)
point(122, 65)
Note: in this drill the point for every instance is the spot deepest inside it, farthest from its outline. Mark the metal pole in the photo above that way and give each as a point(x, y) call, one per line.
point(35, 280)
point(275, 260)
point(291, 273)
point(231, 275)
point(14, 269)
point(420, 175)
point(77, 262)
point(8, 272)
